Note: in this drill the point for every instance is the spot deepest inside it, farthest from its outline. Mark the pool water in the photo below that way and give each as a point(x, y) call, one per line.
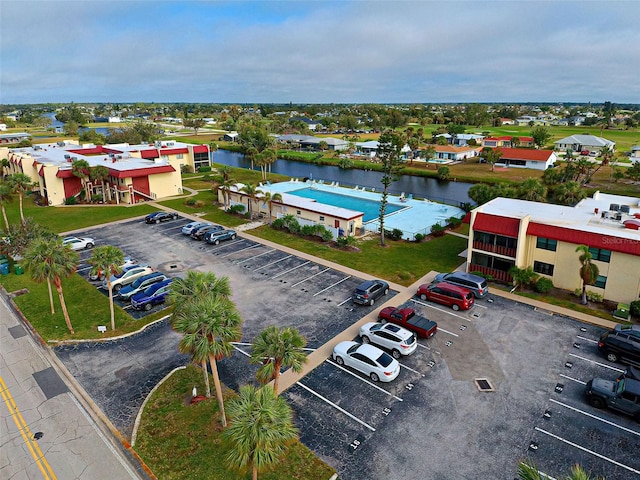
point(370, 208)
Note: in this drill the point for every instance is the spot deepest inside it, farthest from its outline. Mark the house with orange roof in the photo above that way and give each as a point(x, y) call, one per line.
point(526, 158)
point(508, 142)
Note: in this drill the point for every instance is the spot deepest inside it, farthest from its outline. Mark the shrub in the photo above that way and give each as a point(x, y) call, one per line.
point(97, 198)
point(236, 209)
point(278, 224)
point(190, 201)
point(444, 173)
point(395, 234)
point(308, 230)
point(204, 169)
point(207, 177)
point(591, 296)
point(418, 237)
point(454, 222)
point(198, 204)
point(437, 230)
point(346, 241)
point(544, 285)
point(345, 163)
point(327, 236)
point(71, 201)
point(635, 308)
point(186, 169)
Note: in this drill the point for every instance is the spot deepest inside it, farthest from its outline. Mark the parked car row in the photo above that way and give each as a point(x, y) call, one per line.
point(208, 232)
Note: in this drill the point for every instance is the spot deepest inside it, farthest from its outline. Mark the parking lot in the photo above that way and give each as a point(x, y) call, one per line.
point(433, 421)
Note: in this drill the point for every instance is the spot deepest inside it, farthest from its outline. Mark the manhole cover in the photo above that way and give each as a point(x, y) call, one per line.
point(484, 385)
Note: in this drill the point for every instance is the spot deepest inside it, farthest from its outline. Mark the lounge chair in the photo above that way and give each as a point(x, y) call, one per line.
point(410, 196)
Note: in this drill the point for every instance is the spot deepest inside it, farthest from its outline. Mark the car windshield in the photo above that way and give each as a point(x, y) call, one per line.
point(137, 283)
point(376, 327)
point(384, 359)
point(353, 348)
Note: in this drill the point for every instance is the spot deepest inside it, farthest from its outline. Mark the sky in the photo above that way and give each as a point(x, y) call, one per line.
point(363, 51)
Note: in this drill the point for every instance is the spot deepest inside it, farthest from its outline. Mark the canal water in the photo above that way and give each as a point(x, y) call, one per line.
point(452, 193)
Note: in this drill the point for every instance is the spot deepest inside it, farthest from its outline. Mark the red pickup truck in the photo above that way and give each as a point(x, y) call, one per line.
point(406, 317)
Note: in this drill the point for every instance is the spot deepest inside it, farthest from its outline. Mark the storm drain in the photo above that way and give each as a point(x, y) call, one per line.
point(484, 385)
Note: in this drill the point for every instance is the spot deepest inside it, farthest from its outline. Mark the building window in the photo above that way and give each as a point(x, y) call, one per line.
point(547, 244)
point(164, 157)
point(520, 163)
point(600, 254)
point(601, 281)
point(180, 156)
point(321, 218)
point(543, 268)
point(298, 212)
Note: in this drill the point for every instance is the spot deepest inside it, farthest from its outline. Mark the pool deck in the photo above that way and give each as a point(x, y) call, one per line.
point(415, 216)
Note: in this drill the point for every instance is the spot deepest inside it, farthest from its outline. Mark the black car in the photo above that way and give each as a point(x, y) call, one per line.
point(157, 217)
point(621, 344)
point(369, 291)
point(202, 231)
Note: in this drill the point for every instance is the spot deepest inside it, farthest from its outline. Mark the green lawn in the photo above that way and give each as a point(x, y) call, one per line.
point(399, 261)
point(193, 436)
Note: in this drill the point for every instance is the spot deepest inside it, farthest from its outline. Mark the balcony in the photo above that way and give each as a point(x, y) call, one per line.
point(489, 247)
point(498, 275)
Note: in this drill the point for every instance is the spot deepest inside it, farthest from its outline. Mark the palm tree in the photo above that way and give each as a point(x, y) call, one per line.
point(5, 197)
point(47, 259)
point(252, 194)
point(268, 157)
point(99, 173)
point(80, 169)
point(251, 154)
point(20, 183)
point(533, 190)
point(528, 471)
point(261, 429)
point(275, 349)
point(588, 271)
point(194, 286)
point(269, 198)
point(209, 324)
point(4, 166)
point(570, 193)
point(107, 259)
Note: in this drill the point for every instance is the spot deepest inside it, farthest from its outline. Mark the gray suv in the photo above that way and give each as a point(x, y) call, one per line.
point(369, 291)
point(475, 283)
point(622, 395)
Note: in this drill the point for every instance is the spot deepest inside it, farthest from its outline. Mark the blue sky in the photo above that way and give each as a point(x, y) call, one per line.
point(375, 51)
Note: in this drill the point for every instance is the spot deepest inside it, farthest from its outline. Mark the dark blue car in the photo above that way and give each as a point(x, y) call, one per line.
point(154, 295)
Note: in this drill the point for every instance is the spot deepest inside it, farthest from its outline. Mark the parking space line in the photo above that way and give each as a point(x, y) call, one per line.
point(291, 269)
point(595, 417)
point(309, 278)
point(424, 346)
point(362, 379)
point(331, 286)
point(579, 447)
point(227, 244)
point(439, 309)
point(597, 363)
point(411, 369)
point(573, 379)
point(272, 263)
point(342, 303)
point(479, 306)
point(78, 270)
point(241, 351)
point(241, 250)
point(255, 256)
point(353, 417)
point(586, 339)
point(447, 331)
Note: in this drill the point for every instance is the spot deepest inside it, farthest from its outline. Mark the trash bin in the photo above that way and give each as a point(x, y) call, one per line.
point(18, 270)
point(4, 268)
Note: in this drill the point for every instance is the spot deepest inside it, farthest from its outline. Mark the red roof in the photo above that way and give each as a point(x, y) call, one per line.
point(496, 224)
point(152, 153)
point(595, 240)
point(98, 149)
point(141, 172)
point(200, 149)
point(173, 151)
point(525, 154)
point(522, 139)
point(64, 173)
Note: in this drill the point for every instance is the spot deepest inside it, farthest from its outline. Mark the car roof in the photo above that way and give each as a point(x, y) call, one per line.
point(156, 286)
point(451, 287)
point(632, 386)
point(369, 350)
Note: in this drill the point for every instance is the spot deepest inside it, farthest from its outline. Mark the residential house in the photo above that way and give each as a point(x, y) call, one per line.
point(312, 143)
point(581, 143)
point(507, 141)
point(455, 154)
point(507, 232)
point(462, 139)
point(230, 137)
point(527, 158)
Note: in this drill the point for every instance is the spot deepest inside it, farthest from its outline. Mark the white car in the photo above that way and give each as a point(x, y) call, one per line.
point(191, 226)
point(398, 340)
point(128, 262)
point(370, 360)
point(127, 276)
point(78, 243)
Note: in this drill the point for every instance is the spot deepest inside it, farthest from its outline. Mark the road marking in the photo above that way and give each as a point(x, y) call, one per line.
point(447, 331)
point(450, 312)
point(353, 417)
point(78, 270)
point(586, 339)
point(424, 346)
point(309, 278)
point(291, 269)
point(411, 369)
point(362, 379)
point(241, 250)
point(596, 363)
point(595, 417)
point(573, 379)
point(479, 306)
point(25, 433)
point(255, 256)
point(272, 263)
point(588, 451)
point(126, 307)
point(331, 286)
point(347, 300)
point(241, 351)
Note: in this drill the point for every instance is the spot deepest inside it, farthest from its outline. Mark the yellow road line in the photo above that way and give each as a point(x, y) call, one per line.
point(33, 446)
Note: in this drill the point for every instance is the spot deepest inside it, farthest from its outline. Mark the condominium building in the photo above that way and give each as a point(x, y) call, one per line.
point(506, 232)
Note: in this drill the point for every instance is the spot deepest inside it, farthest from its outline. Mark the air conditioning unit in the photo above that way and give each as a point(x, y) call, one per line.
point(119, 157)
point(67, 156)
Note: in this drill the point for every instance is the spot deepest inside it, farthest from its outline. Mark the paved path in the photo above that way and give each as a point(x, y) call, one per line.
point(45, 430)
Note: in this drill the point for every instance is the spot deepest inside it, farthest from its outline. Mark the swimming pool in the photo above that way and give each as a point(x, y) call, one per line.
point(370, 208)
